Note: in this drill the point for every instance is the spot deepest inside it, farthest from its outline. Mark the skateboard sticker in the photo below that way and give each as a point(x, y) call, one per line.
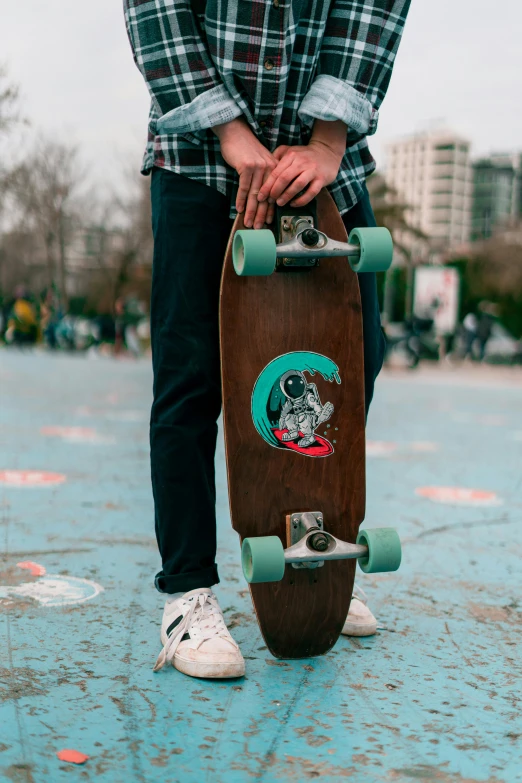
point(286, 406)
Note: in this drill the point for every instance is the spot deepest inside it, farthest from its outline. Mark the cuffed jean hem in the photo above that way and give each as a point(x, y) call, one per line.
point(182, 583)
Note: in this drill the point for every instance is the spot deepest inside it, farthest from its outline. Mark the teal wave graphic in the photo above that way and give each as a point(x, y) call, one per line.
point(267, 396)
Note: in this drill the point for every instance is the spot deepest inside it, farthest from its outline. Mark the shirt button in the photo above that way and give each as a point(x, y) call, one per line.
point(263, 124)
point(276, 3)
point(269, 64)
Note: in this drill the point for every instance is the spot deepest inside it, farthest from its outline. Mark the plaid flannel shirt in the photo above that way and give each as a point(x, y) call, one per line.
point(280, 63)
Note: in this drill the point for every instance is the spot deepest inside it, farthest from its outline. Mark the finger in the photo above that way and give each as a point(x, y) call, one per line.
point(299, 184)
point(280, 151)
point(270, 214)
point(261, 213)
point(264, 207)
point(311, 192)
point(252, 202)
point(284, 179)
point(245, 179)
point(283, 164)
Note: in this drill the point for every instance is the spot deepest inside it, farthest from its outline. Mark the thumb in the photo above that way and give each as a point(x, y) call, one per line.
point(279, 152)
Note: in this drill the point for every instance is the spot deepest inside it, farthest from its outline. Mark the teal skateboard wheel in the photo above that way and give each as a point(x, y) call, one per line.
point(263, 559)
point(376, 249)
point(254, 252)
point(384, 550)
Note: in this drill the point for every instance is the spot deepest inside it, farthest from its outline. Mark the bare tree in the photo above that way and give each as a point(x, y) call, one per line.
point(9, 93)
point(42, 190)
point(136, 247)
point(121, 227)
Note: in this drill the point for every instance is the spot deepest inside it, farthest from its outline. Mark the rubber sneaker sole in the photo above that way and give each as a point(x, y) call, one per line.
point(209, 671)
point(357, 629)
point(224, 670)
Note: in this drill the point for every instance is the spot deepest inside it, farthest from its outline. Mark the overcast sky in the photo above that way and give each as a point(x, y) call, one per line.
point(460, 63)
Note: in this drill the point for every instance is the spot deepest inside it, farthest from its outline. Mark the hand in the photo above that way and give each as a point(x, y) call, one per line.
point(326, 413)
point(244, 152)
point(311, 167)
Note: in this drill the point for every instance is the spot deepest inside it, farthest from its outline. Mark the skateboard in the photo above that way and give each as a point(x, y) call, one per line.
point(294, 420)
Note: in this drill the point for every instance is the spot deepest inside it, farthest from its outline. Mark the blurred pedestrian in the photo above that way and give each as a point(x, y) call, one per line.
point(119, 326)
point(485, 326)
point(49, 317)
point(469, 334)
point(22, 323)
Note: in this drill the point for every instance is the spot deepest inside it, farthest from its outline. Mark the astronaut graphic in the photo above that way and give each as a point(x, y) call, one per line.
point(287, 410)
point(302, 412)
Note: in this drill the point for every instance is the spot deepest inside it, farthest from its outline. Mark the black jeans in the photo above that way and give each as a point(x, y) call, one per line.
point(191, 227)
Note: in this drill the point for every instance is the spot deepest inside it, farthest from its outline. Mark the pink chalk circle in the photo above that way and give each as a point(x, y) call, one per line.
point(86, 435)
point(423, 446)
point(30, 478)
point(69, 433)
point(72, 756)
point(34, 568)
point(380, 448)
point(459, 496)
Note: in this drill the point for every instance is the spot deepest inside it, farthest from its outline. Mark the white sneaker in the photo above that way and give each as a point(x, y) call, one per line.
point(360, 621)
point(195, 638)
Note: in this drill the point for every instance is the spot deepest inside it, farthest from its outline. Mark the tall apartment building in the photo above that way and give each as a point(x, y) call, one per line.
point(432, 173)
point(497, 190)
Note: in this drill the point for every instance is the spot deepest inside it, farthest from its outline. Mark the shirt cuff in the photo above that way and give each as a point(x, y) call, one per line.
point(332, 99)
point(213, 107)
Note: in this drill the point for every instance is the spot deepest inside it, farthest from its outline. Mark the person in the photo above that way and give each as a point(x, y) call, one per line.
point(253, 103)
point(469, 328)
point(486, 320)
point(22, 323)
point(50, 316)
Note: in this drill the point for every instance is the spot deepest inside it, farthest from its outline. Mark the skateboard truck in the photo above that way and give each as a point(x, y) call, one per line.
point(256, 252)
point(304, 245)
point(308, 539)
point(264, 558)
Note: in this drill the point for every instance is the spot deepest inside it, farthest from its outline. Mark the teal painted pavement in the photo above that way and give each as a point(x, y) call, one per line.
point(434, 696)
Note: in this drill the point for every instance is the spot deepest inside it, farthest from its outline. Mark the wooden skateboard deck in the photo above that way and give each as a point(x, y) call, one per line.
point(310, 322)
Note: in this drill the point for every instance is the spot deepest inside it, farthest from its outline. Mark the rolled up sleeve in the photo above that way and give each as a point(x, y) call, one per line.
point(210, 108)
point(357, 55)
point(172, 56)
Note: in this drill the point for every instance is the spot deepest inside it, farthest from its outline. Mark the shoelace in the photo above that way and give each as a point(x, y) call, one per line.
point(359, 593)
point(206, 612)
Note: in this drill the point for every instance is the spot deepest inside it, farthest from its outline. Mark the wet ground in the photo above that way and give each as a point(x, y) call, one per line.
point(433, 696)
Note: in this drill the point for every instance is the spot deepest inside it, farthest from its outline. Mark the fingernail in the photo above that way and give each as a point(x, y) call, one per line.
point(280, 201)
point(261, 196)
point(271, 201)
